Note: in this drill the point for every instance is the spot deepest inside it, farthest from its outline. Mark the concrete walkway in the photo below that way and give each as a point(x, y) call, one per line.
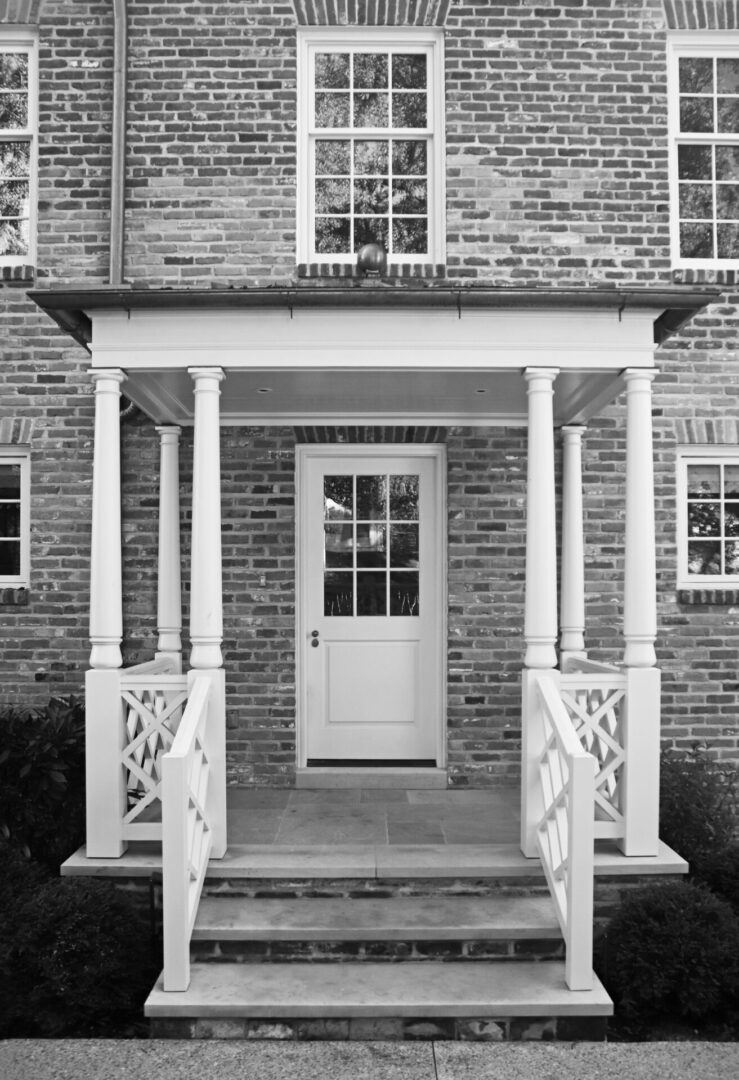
point(77, 1059)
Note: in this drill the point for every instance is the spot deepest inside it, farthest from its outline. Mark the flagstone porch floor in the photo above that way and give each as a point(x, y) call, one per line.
point(372, 816)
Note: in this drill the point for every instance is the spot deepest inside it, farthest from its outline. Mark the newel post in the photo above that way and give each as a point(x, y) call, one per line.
point(169, 590)
point(104, 725)
point(540, 625)
point(206, 589)
point(572, 588)
point(641, 722)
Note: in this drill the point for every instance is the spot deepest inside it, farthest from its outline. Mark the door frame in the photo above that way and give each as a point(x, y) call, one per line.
point(335, 451)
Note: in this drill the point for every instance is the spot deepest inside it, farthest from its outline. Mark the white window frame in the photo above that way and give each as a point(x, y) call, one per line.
point(24, 40)
point(702, 44)
point(312, 40)
point(704, 455)
point(14, 456)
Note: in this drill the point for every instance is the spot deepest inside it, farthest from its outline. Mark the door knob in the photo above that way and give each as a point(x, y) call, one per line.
point(314, 642)
point(314, 633)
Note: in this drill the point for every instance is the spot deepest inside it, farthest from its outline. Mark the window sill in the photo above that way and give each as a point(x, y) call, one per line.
point(719, 597)
point(348, 270)
point(21, 274)
point(13, 596)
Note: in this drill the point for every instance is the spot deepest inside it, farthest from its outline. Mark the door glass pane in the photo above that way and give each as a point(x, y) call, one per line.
point(371, 590)
point(338, 594)
point(403, 545)
point(338, 500)
point(339, 544)
point(371, 545)
point(371, 498)
point(404, 498)
point(404, 598)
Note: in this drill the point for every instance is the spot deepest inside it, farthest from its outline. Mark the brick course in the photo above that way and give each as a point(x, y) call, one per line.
point(556, 160)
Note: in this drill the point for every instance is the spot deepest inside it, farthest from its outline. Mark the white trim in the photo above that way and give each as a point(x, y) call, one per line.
point(24, 39)
point(15, 456)
point(686, 455)
point(429, 40)
point(304, 451)
point(699, 43)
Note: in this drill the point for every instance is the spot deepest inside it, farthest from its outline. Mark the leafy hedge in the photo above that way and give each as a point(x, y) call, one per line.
point(42, 779)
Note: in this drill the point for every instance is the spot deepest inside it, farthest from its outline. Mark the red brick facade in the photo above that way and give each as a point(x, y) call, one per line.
point(556, 173)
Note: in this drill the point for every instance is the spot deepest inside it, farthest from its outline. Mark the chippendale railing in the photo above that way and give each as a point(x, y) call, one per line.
point(595, 701)
point(187, 837)
point(153, 698)
point(565, 837)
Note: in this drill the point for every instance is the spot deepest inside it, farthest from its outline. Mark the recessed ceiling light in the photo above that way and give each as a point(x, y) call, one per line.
point(481, 390)
point(264, 389)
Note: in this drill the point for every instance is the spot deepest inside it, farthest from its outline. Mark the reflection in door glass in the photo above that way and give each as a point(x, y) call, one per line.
point(371, 498)
point(338, 594)
point(404, 498)
point(338, 497)
point(371, 588)
point(371, 545)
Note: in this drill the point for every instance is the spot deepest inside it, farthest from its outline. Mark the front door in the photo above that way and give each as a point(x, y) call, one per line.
point(371, 624)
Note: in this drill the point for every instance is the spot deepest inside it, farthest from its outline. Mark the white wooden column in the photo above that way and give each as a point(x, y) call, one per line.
point(572, 585)
point(206, 590)
point(106, 613)
point(540, 625)
point(169, 590)
point(641, 720)
point(104, 725)
point(540, 621)
point(640, 590)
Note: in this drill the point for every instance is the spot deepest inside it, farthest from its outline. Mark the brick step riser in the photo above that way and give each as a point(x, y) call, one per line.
point(369, 1029)
point(378, 951)
point(372, 888)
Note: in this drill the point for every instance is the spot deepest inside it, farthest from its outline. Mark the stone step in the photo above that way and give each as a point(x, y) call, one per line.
point(450, 918)
point(483, 990)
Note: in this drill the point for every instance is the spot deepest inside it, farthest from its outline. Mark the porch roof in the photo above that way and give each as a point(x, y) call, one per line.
point(72, 308)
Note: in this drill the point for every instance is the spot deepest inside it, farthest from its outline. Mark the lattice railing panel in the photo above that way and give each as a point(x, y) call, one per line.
point(152, 710)
point(595, 705)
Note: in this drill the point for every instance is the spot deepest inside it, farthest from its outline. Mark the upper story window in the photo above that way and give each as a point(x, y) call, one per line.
point(14, 517)
point(370, 147)
point(708, 517)
point(17, 147)
point(704, 149)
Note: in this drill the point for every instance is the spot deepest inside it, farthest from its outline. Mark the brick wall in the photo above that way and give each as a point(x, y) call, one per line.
point(556, 175)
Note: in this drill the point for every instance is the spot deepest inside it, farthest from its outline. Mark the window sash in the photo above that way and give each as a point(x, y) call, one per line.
point(13, 457)
point(720, 539)
point(21, 42)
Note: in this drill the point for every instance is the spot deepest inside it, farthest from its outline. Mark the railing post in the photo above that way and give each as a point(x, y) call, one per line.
point(215, 750)
point(640, 782)
point(175, 877)
point(579, 956)
point(169, 604)
point(533, 743)
point(105, 740)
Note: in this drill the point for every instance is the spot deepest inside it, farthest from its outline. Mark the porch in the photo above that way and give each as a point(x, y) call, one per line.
point(590, 731)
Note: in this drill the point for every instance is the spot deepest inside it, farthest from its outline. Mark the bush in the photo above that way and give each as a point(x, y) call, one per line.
point(699, 809)
point(42, 779)
point(720, 872)
point(75, 956)
point(671, 952)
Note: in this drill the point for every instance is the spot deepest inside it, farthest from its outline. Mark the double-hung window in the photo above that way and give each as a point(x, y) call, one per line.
point(704, 149)
point(17, 148)
point(14, 517)
point(370, 144)
point(708, 517)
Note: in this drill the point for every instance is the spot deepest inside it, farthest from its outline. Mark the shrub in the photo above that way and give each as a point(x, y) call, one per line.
point(671, 952)
point(699, 808)
point(720, 872)
point(42, 779)
point(75, 957)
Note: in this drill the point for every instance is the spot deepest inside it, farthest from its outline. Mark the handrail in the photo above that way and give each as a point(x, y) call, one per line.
point(565, 836)
point(580, 665)
point(186, 834)
point(161, 665)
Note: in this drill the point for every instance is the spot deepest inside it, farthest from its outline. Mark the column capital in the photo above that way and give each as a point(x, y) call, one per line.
point(630, 375)
point(573, 432)
point(547, 374)
point(168, 432)
point(101, 375)
point(197, 373)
